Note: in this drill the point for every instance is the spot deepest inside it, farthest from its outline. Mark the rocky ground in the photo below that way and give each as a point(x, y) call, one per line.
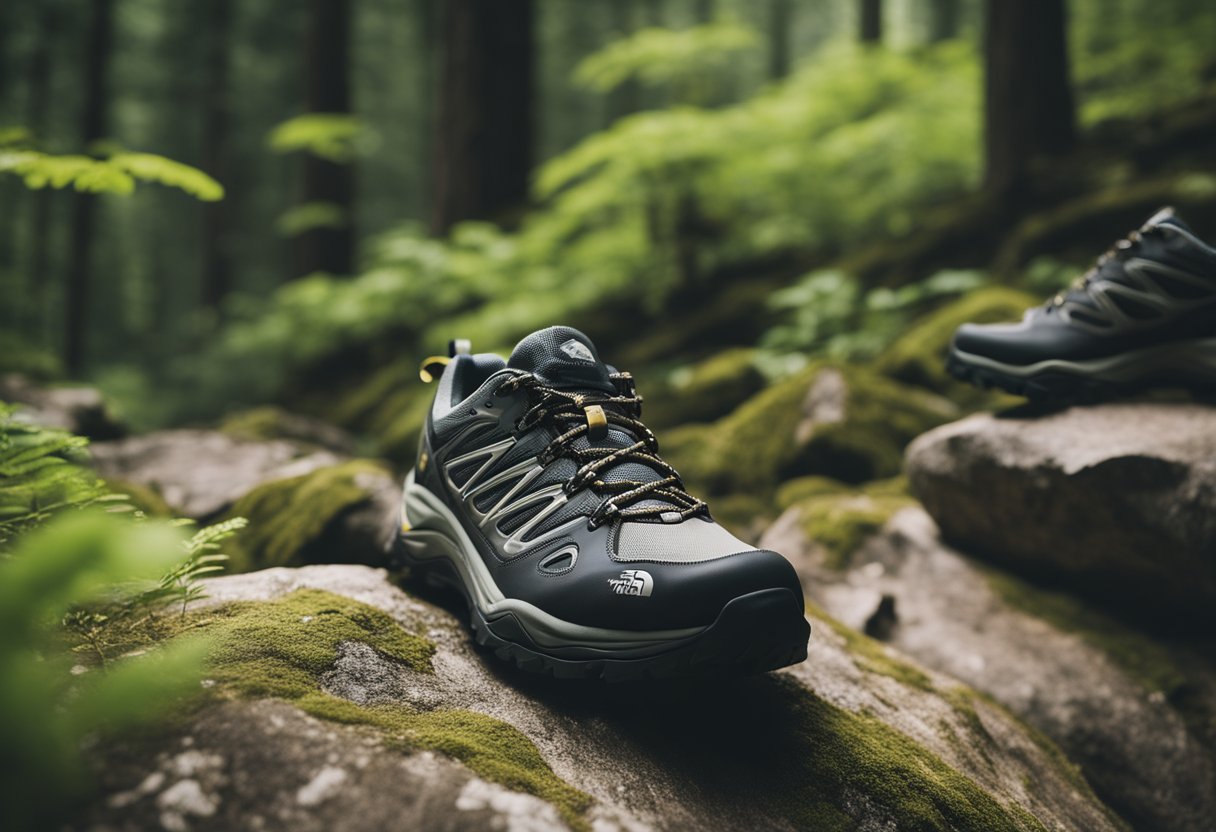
point(989, 649)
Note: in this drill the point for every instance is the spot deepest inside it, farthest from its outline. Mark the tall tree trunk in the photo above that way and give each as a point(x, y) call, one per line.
point(328, 91)
point(869, 21)
point(93, 126)
point(483, 148)
point(625, 98)
point(39, 275)
point(780, 16)
point(943, 20)
point(216, 267)
point(1028, 104)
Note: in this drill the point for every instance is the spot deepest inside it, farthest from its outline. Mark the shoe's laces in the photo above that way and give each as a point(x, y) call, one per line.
point(566, 411)
point(1119, 251)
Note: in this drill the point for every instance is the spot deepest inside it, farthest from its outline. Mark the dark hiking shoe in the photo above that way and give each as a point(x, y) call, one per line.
point(540, 495)
point(1143, 316)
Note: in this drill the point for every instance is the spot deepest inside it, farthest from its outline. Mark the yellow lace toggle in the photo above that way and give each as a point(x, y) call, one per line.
point(424, 371)
point(597, 422)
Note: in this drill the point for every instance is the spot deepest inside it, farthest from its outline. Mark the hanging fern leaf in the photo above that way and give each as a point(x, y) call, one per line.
point(337, 137)
point(149, 167)
point(115, 175)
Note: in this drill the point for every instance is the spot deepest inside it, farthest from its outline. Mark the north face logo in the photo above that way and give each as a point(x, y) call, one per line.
point(577, 350)
point(633, 582)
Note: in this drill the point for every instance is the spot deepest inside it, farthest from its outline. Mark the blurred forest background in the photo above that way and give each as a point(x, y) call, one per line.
point(674, 176)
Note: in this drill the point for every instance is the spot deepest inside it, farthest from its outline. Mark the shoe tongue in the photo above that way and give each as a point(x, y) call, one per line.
point(1166, 216)
point(562, 357)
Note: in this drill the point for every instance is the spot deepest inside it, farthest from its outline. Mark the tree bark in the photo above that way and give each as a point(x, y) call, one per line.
point(780, 16)
point(869, 13)
point(483, 147)
point(943, 20)
point(1028, 105)
point(93, 126)
point(216, 266)
point(327, 78)
point(40, 219)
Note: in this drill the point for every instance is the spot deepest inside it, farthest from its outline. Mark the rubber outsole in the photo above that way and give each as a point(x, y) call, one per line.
point(753, 633)
point(1053, 386)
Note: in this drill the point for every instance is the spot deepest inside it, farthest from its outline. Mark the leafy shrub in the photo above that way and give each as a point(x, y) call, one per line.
point(686, 59)
point(41, 474)
point(51, 709)
point(829, 313)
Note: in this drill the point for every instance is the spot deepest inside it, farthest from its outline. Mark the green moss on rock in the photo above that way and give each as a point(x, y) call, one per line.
point(834, 420)
point(279, 649)
point(802, 488)
point(705, 391)
point(873, 656)
point(841, 523)
point(919, 355)
point(1143, 659)
point(288, 518)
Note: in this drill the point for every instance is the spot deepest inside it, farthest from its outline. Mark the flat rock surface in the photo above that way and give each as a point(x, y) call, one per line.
point(200, 473)
point(718, 755)
point(1118, 500)
point(1131, 741)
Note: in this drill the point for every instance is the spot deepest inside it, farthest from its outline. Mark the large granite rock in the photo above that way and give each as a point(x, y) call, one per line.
point(1117, 500)
point(854, 738)
point(1134, 712)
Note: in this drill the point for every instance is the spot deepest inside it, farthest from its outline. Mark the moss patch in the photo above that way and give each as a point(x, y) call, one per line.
point(840, 518)
point(280, 649)
point(919, 355)
point(856, 432)
point(705, 391)
point(288, 516)
point(873, 656)
point(1142, 658)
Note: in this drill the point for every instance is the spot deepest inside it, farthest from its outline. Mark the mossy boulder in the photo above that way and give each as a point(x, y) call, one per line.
point(704, 391)
point(918, 356)
point(835, 420)
point(856, 738)
point(831, 520)
point(269, 422)
point(340, 513)
point(1133, 710)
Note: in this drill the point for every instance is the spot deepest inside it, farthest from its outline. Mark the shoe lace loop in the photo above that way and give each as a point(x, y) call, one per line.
point(566, 411)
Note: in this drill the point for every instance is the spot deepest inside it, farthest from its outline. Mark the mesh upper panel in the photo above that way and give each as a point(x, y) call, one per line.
point(687, 542)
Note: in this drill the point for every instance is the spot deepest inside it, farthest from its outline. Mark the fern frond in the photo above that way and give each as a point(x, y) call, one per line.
point(149, 167)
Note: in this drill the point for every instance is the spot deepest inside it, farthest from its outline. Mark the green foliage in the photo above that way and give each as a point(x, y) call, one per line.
point(847, 149)
point(829, 313)
point(336, 137)
point(688, 59)
point(41, 473)
point(1133, 74)
point(115, 174)
point(51, 710)
point(311, 216)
